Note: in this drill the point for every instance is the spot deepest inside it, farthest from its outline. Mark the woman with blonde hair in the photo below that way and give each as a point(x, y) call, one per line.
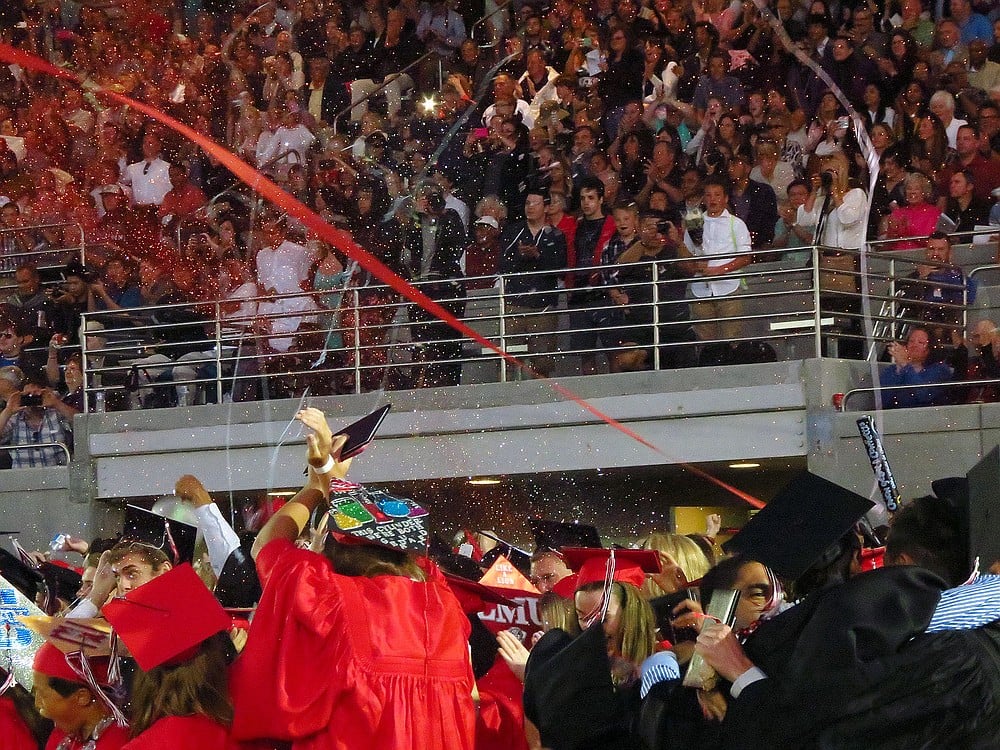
point(917, 218)
point(681, 560)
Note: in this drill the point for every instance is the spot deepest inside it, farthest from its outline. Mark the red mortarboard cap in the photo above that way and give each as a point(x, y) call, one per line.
point(163, 621)
point(631, 565)
point(566, 588)
point(175, 538)
point(555, 535)
point(50, 661)
point(793, 531)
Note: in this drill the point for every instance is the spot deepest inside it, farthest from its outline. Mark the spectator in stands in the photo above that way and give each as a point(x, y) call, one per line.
point(985, 171)
point(724, 249)
point(751, 201)
point(184, 199)
point(917, 218)
point(70, 300)
point(914, 365)
point(13, 241)
point(787, 232)
point(979, 359)
point(29, 296)
point(443, 31)
point(594, 231)
point(937, 294)
point(149, 178)
point(434, 251)
point(16, 338)
point(46, 419)
point(534, 251)
point(963, 206)
point(119, 286)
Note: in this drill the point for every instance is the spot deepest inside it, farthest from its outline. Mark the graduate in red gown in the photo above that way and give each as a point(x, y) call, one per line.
point(359, 648)
point(177, 632)
point(21, 726)
point(82, 718)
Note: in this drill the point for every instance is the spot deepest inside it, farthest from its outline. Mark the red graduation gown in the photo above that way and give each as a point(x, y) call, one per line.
point(335, 662)
point(182, 733)
point(13, 730)
point(113, 738)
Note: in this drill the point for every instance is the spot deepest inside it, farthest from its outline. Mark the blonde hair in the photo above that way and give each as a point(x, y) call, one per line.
point(683, 551)
point(638, 624)
point(556, 612)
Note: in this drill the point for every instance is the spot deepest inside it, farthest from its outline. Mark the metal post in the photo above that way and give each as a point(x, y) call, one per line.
point(218, 352)
point(817, 313)
point(357, 342)
point(656, 315)
point(503, 328)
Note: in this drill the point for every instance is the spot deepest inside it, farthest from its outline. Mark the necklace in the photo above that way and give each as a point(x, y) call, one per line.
point(91, 742)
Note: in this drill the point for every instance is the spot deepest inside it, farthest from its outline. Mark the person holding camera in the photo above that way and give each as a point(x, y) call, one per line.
point(36, 415)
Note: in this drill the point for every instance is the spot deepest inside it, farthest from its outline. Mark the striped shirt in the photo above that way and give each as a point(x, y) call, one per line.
point(968, 607)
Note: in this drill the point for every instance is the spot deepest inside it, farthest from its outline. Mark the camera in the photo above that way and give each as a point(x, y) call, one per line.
point(826, 179)
point(31, 399)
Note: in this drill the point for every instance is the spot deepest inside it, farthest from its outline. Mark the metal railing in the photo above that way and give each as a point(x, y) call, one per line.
point(38, 249)
point(278, 346)
point(949, 385)
point(38, 446)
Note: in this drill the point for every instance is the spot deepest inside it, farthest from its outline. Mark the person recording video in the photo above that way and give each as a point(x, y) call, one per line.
point(35, 415)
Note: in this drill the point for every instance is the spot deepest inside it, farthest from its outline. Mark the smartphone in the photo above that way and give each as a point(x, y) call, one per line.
point(362, 432)
point(481, 133)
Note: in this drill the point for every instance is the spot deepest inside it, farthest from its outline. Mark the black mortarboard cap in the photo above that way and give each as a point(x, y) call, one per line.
point(449, 562)
point(555, 535)
point(238, 585)
point(24, 578)
point(60, 583)
point(793, 531)
point(977, 500)
point(517, 556)
point(569, 695)
point(175, 538)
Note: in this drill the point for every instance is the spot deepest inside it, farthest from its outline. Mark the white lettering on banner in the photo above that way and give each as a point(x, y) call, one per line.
point(524, 613)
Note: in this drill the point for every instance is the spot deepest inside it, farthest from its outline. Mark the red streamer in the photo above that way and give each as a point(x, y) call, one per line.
point(339, 239)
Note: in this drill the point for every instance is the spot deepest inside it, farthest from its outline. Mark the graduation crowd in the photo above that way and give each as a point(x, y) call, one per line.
point(808, 628)
point(600, 135)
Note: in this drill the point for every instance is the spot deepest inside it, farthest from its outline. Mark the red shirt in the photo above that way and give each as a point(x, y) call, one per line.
point(985, 172)
point(182, 202)
point(335, 662)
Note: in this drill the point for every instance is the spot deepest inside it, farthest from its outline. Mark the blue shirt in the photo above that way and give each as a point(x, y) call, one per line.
point(925, 396)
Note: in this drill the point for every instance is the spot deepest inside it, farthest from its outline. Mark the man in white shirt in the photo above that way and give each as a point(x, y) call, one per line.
point(288, 145)
point(149, 178)
point(503, 89)
point(725, 245)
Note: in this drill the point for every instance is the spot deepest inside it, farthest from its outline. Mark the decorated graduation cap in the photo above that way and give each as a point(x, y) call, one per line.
point(555, 535)
point(164, 621)
point(359, 515)
point(622, 565)
point(800, 526)
point(77, 651)
point(175, 538)
point(18, 643)
point(514, 554)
